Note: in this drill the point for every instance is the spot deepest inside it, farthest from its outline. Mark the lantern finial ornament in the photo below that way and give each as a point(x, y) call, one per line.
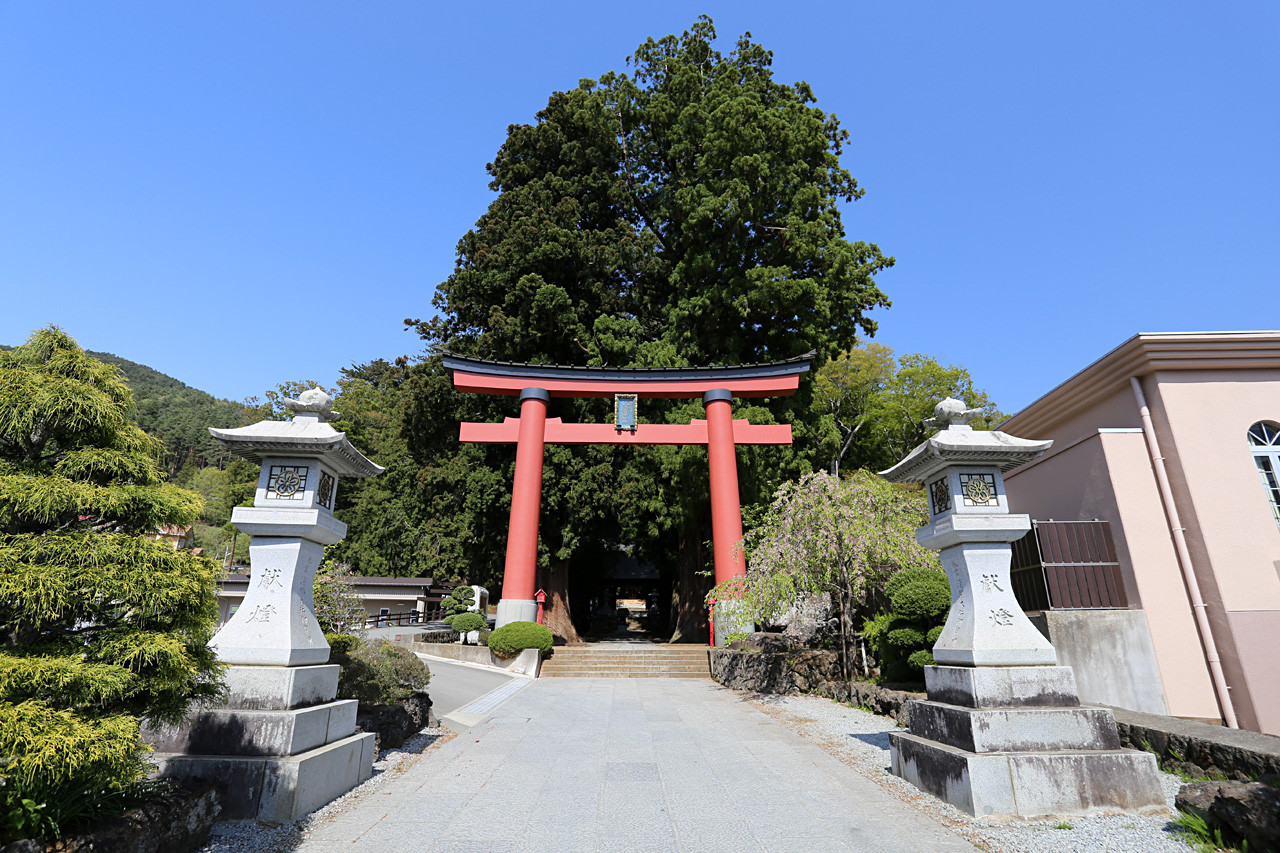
point(951, 412)
point(312, 401)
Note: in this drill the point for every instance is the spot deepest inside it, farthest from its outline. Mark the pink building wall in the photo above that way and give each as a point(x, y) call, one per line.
point(1203, 418)
point(1204, 391)
point(1108, 476)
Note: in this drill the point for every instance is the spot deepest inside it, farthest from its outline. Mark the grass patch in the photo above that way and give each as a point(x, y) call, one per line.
point(1202, 838)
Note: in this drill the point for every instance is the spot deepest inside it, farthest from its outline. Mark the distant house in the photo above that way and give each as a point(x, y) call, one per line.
point(387, 601)
point(179, 537)
point(1159, 499)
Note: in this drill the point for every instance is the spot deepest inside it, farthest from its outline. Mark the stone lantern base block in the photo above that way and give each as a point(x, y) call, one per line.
point(279, 748)
point(279, 789)
point(1002, 686)
point(275, 688)
point(985, 730)
point(235, 731)
point(1029, 784)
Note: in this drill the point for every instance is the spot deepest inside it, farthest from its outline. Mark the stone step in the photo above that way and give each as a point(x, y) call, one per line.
point(652, 670)
point(655, 661)
point(648, 659)
point(591, 674)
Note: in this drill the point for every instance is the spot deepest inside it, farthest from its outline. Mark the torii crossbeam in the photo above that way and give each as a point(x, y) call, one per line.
point(536, 384)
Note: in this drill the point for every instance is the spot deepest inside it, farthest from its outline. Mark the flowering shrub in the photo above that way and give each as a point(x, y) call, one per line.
point(841, 536)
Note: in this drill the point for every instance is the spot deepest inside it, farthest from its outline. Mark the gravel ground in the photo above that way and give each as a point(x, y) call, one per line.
point(861, 740)
point(252, 837)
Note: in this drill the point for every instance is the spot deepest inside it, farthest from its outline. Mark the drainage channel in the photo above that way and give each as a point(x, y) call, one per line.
point(469, 715)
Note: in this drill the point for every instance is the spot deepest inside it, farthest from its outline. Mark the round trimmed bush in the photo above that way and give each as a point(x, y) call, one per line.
point(466, 622)
point(514, 637)
point(905, 638)
point(922, 594)
point(919, 660)
point(933, 635)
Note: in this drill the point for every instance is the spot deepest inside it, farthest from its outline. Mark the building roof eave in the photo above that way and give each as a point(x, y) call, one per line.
point(1140, 355)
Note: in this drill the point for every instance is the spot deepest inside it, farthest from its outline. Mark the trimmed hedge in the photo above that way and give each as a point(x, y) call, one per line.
point(376, 672)
point(466, 622)
point(514, 637)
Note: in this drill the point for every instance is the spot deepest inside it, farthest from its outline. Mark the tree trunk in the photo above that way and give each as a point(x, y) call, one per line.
point(556, 614)
point(689, 592)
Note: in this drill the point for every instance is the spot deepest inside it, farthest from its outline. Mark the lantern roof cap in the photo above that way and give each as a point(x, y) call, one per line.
point(306, 435)
point(961, 444)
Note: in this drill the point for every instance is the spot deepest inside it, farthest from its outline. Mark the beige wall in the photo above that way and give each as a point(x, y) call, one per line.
point(1108, 476)
point(1203, 418)
point(1140, 522)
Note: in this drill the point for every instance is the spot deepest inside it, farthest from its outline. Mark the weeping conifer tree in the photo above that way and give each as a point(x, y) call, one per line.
point(100, 626)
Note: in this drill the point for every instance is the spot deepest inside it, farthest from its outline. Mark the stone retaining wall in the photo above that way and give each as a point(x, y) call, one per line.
point(1200, 749)
point(806, 671)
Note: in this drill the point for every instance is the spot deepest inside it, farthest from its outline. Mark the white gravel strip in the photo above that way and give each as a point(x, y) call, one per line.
point(861, 740)
point(246, 836)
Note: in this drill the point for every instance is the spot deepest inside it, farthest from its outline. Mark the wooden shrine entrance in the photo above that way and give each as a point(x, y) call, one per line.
point(536, 384)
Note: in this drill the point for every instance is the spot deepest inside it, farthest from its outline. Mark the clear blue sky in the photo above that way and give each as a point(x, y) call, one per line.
point(241, 193)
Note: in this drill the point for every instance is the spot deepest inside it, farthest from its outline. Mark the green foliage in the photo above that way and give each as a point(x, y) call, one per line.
point(67, 448)
point(338, 606)
point(872, 405)
point(178, 415)
point(919, 659)
point(901, 636)
point(461, 600)
point(513, 637)
point(737, 636)
point(905, 638)
point(98, 626)
point(374, 671)
point(1195, 830)
point(464, 623)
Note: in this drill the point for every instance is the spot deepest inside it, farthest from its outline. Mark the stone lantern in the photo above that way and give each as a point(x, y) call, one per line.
point(281, 745)
point(1003, 731)
point(290, 522)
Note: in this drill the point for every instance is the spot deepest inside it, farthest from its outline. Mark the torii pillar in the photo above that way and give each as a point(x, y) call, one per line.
point(536, 384)
point(520, 573)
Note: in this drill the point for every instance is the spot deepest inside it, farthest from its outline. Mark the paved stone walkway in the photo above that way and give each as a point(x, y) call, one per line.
point(630, 764)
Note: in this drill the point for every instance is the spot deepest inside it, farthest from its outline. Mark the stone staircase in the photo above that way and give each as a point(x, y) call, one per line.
point(628, 660)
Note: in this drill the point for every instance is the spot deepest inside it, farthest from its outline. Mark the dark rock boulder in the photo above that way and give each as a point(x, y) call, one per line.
point(1244, 811)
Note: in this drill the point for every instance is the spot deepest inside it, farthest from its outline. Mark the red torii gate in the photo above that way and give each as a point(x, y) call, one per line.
point(536, 384)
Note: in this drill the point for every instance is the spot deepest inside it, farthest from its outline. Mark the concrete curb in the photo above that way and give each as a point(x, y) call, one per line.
point(526, 664)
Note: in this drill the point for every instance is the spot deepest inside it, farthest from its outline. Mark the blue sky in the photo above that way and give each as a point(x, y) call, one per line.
point(242, 193)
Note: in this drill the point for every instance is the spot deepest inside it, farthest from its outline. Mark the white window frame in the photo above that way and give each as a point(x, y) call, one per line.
point(1264, 443)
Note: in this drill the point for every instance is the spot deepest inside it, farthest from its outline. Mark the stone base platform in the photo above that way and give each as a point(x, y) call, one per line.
point(278, 789)
point(1029, 784)
point(1015, 741)
point(279, 747)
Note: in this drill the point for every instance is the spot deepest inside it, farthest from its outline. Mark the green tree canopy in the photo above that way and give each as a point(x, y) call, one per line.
point(99, 626)
point(872, 405)
point(684, 213)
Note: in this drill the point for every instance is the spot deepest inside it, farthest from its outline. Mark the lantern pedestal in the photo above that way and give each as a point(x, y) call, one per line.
point(1016, 741)
point(1003, 732)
